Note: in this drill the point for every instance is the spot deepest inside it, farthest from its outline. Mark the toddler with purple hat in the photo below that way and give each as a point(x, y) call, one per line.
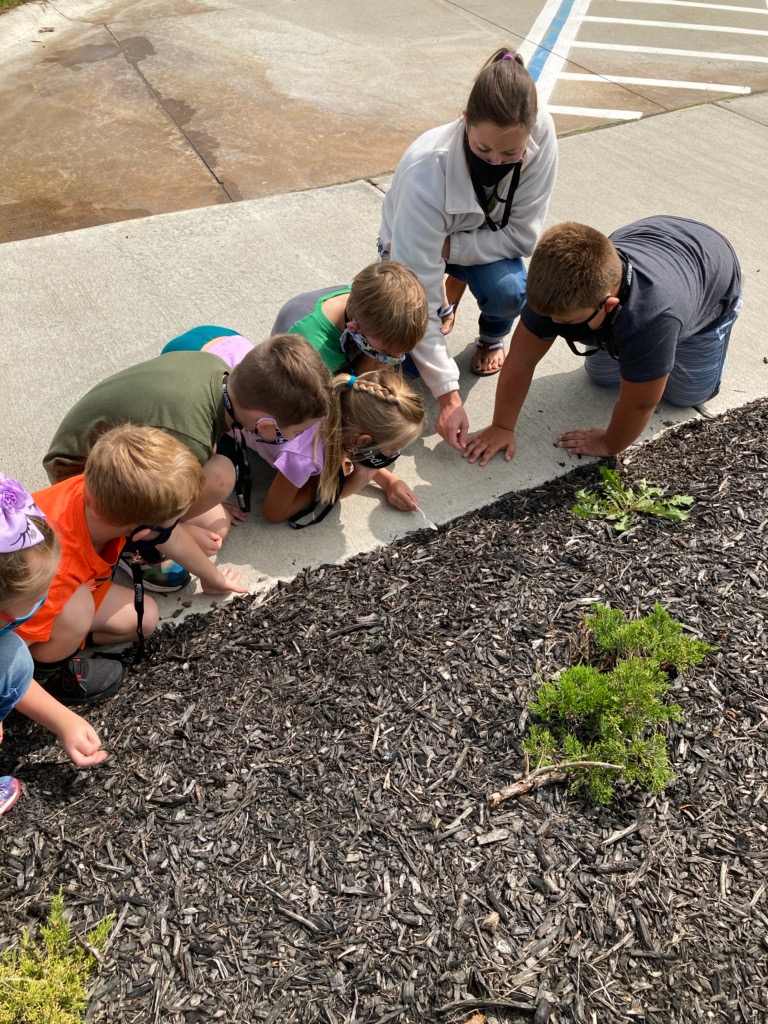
point(29, 555)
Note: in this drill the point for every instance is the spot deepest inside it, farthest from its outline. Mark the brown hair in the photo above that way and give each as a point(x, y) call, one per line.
point(504, 93)
point(285, 378)
point(379, 403)
point(573, 267)
point(141, 475)
point(29, 572)
point(389, 303)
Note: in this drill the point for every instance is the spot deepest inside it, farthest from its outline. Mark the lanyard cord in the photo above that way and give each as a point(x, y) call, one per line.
point(138, 604)
point(485, 202)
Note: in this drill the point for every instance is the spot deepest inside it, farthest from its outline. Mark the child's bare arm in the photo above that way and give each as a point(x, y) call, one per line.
point(184, 549)
point(284, 499)
point(399, 494)
point(80, 742)
point(631, 413)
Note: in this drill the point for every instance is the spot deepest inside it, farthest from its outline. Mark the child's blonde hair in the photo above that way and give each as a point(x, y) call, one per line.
point(380, 404)
point(141, 475)
point(28, 573)
point(503, 93)
point(389, 303)
point(573, 267)
point(285, 378)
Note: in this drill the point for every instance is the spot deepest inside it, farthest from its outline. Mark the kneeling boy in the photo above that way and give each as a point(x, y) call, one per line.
point(654, 305)
point(137, 482)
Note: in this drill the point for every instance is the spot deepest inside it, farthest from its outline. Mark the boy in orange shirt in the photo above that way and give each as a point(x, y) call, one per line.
point(138, 482)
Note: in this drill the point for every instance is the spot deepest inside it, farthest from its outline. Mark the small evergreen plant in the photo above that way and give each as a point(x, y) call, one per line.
point(614, 716)
point(619, 503)
point(45, 982)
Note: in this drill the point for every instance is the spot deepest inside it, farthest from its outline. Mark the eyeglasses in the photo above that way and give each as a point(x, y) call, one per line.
point(365, 346)
point(272, 433)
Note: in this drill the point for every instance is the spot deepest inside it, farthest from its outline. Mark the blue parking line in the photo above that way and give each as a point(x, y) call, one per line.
point(539, 59)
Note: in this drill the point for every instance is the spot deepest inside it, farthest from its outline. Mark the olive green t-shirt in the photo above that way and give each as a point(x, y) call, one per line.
point(179, 392)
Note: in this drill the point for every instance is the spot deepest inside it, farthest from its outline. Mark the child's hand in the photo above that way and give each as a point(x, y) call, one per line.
point(81, 743)
point(234, 512)
point(226, 581)
point(400, 495)
point(584, 442)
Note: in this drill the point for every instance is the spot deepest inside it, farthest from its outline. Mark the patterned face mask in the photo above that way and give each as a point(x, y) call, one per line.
point(350, 337)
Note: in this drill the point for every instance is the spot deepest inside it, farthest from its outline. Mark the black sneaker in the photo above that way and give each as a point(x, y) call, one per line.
point(81, 680)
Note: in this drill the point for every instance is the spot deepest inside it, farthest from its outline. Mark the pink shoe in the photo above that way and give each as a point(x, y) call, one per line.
point(10, 791)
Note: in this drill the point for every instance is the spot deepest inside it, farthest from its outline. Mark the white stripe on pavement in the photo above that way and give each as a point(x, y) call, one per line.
point(709, 54)
point(679, 24)
point(616, 115)
point(664, 83)
point(696, 3)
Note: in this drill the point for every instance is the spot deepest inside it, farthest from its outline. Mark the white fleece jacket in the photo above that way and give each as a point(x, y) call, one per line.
point(431, 197)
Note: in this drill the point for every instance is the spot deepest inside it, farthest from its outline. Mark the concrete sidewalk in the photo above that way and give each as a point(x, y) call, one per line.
point(81, 305)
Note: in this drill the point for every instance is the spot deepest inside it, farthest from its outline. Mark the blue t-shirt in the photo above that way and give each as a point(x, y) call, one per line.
point(679, 277)
point(16, 672)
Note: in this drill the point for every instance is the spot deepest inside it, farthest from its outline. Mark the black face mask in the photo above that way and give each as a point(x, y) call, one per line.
point(488, 175)
point(163, 533)
point(372, 458)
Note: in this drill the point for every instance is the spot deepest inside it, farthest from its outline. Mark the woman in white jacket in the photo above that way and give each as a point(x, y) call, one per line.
point(469, 199)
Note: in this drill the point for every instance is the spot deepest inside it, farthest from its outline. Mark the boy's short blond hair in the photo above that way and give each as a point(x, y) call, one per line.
point(573, 267)
point(389, 303)
point(284, 377)
point(141, 475)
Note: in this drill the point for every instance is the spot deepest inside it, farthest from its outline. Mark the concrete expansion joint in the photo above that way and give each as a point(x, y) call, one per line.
point(135, 61)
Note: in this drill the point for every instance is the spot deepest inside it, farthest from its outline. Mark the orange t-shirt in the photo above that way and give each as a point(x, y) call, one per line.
point(64, 505)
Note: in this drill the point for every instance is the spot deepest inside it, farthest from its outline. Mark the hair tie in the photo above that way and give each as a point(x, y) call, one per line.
point(17, 531)
point(509, 56)
point(351, 381)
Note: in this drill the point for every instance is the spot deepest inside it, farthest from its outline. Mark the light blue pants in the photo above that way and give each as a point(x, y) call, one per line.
point(698, 367)
point(500, 292)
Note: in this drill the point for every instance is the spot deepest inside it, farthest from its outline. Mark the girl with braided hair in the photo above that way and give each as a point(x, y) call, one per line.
point(373, 417)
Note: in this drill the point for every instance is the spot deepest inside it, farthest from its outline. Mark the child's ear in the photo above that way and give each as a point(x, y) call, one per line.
point(363, 440)
point(141, 535)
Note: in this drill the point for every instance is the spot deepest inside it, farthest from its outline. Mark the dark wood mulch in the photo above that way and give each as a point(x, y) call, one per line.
point(293, 824)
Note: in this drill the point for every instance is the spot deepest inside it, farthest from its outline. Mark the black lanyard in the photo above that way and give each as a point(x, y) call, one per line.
point(486, 202)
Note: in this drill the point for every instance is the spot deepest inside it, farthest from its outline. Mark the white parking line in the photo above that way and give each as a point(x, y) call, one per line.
point(709, 54)
point(695, 3)
point(614, 115)
point(664, 83)
point(679, 24)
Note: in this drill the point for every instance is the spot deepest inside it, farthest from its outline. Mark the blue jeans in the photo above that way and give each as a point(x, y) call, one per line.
point(500, 292)
point(697, 371)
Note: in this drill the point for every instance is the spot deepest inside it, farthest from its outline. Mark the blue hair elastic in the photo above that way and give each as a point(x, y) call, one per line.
point(351, 381)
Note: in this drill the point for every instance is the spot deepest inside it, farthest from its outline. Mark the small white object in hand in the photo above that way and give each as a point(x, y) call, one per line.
point(429, 522)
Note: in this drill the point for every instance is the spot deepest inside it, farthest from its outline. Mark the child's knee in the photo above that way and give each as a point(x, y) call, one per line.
point(220, 479)
point(151, 615)
point(76, 617)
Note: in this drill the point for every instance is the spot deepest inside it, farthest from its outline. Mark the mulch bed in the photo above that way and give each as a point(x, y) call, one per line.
point(293, 823)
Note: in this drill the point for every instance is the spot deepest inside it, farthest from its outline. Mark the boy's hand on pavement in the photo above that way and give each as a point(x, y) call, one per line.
point(584, 442)
point(228, 582)
point(81, 742)
point(483, 446)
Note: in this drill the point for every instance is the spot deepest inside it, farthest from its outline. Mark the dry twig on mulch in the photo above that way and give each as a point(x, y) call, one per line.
point(293, 824)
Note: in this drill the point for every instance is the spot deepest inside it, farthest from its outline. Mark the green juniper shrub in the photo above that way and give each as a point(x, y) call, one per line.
point(614, 716)
point(45, 982)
